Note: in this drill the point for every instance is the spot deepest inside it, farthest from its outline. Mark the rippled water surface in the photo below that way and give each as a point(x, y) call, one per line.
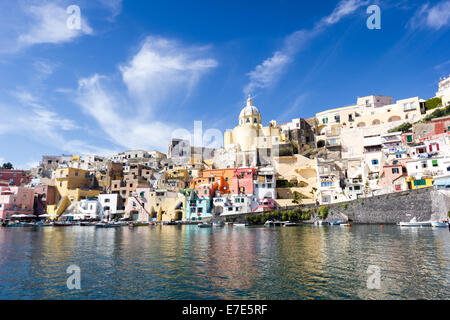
point(186, 262)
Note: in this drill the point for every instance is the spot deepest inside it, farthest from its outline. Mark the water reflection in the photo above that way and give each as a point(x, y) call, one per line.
point(186, 262)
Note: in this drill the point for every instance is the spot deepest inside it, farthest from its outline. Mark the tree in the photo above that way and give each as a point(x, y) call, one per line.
point(7, 165)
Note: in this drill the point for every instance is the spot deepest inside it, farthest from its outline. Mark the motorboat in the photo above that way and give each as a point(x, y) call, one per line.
point(290, 224)
point(336, 223)
point(439, 224)
point(19, 224)
point(270, 223)
point(320, 223)
point(239, 225)
point(414, 223)
point(62, 224)
point(218, 224)
point(107, 225)
point(204, 225)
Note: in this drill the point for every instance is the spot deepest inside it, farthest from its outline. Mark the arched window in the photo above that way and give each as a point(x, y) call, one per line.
point(375, 122)
point(255, 120)
point(248, 120)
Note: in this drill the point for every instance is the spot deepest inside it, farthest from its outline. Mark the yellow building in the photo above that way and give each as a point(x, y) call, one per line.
point(299, 175)
point(72, 185)
point(425, 182)
point(249, 136)
point(161, 204)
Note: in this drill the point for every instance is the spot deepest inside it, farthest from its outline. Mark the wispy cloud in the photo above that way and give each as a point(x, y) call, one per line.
point(435, 17)
point(269, 71)
point(115, 6)
point(49, 25)
point(160, 70)
point(41, 124)
point(163, 68)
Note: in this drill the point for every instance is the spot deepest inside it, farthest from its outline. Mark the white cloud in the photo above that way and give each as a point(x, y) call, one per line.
point(50, 25)
point(115, 6)
point(269, 71)
point(160, 70)
point(124, 129)
point(434, 17)
point(163, 68)
point(40, 124)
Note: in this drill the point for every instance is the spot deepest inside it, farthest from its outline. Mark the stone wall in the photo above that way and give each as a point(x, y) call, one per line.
point(391, 208)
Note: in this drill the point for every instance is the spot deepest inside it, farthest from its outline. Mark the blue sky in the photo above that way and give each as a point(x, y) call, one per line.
point(138, 70)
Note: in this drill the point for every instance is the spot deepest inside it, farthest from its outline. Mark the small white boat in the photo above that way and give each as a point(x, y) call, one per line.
point(218, 224)
point(414, 223)
point(439, 224)
point(239, 225)
point(320, 223)
point(290, 224)
point(344, 224)
point(204, 225)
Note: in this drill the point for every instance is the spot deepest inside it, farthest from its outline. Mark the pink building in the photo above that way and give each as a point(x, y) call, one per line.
point(15, 201)
point(394, 176)
point(13, 177)
point(243, 181)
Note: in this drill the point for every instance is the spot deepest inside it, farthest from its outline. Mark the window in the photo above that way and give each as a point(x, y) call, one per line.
point(326, 184)
point(357, 188)
point(435, 163)
point(395, 170)
point(398, 156)
point(424, 164)
point(248, 120)
point(325, 120)
point(76, 173)
point(107, 200)
point(255, 120)
point(375, 161)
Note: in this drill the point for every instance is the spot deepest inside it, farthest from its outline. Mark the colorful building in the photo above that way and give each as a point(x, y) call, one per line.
point(15, 202)
point(15, 178)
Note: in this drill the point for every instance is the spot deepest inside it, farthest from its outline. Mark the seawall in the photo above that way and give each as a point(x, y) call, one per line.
point(424, 204)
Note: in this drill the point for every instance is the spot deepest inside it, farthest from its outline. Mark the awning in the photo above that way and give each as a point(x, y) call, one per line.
point(442, 182)
point(22, 216)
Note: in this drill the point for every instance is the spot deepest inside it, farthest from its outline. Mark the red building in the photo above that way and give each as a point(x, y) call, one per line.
point(15, 178)
point(43, 196)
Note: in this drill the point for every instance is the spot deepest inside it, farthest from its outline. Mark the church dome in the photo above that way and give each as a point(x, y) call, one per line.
point(249, 110)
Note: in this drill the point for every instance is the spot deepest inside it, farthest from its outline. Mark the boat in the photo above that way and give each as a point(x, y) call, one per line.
point(218, 224)
point(270, 223)
point(335, 223)
point(107, 225)
point(290, 224)
point(344, 224)
point(320, 223)
point(439, 224)
point(62, 224)
point(43, 224)
point(204, 225)
point(138, 224)
point(239, 225)
point(171, 223)
point(20, 224)
point(414, 223)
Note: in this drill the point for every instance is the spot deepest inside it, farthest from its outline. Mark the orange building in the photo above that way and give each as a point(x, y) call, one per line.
point(219, 179)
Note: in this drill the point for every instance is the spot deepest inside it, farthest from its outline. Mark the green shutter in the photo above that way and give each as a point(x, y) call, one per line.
point(409, 138)
point(435, 163)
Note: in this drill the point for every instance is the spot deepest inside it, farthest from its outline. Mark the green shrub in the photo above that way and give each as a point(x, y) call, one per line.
point(404, 127)
point(323, 212)
point(433, 103)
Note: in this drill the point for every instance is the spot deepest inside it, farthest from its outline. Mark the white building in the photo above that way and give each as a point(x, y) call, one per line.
point(109, 204)
point(265, 185)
